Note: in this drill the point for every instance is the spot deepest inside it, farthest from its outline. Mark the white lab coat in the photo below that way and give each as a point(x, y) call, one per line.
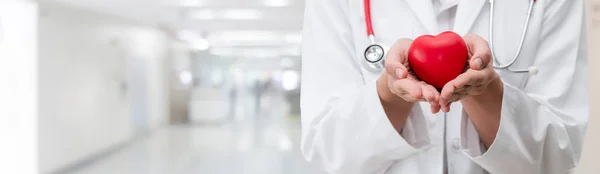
point(543, 117)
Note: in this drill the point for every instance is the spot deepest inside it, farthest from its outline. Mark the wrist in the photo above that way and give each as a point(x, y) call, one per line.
point(485, 111)
point(396, 108)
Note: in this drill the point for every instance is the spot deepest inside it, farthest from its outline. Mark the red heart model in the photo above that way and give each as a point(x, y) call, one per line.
point(438, 59)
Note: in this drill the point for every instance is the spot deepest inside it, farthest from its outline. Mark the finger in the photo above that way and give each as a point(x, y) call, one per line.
point(480, 51)
point(409, 87)
point(472, 78)
point(447, 92)
point(462, 80)
point(395, 69)
point(396, 57)
point(476, 63)
point(433, 99)
point(435, 95)
point(435, 109)
point(463, 89)
point(446, 107)
point(428, 95)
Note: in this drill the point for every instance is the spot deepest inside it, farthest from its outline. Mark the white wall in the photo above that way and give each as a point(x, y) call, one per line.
point(83, 62)
point(591, 152)
point(18, 106)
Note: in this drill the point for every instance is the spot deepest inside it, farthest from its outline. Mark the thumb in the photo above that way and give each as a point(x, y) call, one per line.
point(396, 69)
point(396, 57)
point(480, 51)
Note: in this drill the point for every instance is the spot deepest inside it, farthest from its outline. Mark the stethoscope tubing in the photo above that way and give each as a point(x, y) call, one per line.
point(370, 32)
point(497, 63)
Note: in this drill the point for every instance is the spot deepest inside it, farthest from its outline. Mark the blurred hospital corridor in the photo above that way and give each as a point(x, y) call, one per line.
point(266, 145)
point(161, 86)
point(169, 86)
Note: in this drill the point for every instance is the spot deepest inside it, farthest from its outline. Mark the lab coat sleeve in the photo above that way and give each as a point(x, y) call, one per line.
point(542, 126)
point(344, 127)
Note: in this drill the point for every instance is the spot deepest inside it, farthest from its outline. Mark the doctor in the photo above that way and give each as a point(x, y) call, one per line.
point(494, 120)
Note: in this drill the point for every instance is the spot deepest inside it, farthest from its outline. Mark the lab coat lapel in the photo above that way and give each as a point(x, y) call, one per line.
point(466, 14)
point(423, 9)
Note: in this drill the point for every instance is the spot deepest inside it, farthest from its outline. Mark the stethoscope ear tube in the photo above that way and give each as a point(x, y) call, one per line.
point(497, 65)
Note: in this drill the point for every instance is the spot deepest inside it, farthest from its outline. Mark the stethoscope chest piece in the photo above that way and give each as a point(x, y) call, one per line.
point(374, 53)
point(375, 58)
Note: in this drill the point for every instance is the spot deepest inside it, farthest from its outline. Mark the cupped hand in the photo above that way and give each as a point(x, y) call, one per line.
point(478, 75)
point(403, 82)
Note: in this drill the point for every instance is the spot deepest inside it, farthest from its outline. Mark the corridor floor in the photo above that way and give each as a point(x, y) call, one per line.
point(258, 146)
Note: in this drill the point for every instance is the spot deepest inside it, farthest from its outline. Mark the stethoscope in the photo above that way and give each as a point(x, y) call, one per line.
point(375, 53)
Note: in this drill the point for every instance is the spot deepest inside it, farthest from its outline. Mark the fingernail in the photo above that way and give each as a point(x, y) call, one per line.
point(399, 72)
point(477, 63)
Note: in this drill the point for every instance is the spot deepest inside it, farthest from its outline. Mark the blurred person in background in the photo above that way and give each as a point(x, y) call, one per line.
point(494, 120)
point(258, 89)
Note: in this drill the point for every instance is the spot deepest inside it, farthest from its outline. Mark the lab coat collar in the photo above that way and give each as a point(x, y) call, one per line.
point(446, 4)
point(466, 14)
point(423, 9)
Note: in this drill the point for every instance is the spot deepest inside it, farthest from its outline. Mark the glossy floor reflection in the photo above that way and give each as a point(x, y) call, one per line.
point(258, 146)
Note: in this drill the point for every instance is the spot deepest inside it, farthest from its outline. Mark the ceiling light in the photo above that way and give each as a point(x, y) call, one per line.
point(241, 14)
point(276, 3)
point(185, 77)
point(199, 44)
point(293, 38)
point(290, 80)
point(245, 36)
point(227, 14)
point(191, 3)
point(254, 38)
point(244, 52)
